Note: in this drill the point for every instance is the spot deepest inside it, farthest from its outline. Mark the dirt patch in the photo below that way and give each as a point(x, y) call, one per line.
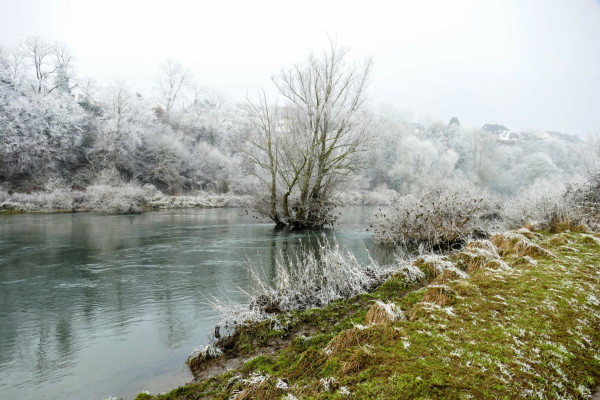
point(223, 364)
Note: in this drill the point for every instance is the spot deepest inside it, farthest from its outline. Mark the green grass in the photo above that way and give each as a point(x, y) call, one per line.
point(532, 331)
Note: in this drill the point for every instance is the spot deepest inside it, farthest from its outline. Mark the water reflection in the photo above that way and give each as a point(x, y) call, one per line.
point(95, 305)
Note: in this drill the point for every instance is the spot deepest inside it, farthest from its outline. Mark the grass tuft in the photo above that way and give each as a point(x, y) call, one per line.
point(441, 295)
point(381, 313)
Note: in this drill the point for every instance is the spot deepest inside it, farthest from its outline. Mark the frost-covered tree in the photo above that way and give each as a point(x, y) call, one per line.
point(124, 121)
point(12, 66)
point(166, 157)
point(590, 154)
point(315, 140)
point(209, 115)
point(172, 80)
point(481, 147)
point(39, 133)
point(39, 54)
point(536, 166)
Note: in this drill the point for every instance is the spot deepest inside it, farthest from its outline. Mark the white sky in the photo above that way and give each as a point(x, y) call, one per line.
point(522, 63)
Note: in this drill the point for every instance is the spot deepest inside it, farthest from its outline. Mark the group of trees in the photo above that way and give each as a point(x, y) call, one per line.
point(178, 142)
point(294, 153)
point(406, 159)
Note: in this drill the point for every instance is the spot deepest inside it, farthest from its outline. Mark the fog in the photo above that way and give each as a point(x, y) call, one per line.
point(523, 64)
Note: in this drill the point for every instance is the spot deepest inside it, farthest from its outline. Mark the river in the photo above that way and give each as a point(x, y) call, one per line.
point(97, 305)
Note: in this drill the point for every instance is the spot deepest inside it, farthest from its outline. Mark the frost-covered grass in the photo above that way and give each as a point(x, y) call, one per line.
point(528, 329)
point(124, 198)
point(309, 279)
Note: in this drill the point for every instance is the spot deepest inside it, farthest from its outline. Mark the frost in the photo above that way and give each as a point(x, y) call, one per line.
point(281, 385)
point(593, 300)
point(206, 351)
point(344, 391)
point(255, 379)
point(327, 383)
point(586, 393)
point(449, 311)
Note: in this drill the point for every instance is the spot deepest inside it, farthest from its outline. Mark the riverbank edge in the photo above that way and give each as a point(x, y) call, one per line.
point(208, 200)
point(386, 358)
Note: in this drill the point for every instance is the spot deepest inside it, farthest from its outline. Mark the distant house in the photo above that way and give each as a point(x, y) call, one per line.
point(80, 95)
point(500, 131)
point(548, 135)
point(522, 136)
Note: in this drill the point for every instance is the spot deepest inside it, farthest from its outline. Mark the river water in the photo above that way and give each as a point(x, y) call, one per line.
point(95, 305)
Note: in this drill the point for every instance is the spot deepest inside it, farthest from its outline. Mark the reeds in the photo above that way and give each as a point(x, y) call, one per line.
point(309, 279)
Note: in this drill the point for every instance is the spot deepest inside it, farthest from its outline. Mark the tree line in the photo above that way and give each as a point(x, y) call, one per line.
point(297, 154)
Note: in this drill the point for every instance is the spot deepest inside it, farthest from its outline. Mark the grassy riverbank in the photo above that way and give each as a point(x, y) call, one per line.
point(523, 324)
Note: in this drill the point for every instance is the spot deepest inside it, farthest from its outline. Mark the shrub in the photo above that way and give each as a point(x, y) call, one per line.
point(125, 199)
point(435, 217)
point(544, 205)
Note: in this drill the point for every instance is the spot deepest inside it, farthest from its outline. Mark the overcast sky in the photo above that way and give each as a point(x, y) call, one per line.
point(523, 63)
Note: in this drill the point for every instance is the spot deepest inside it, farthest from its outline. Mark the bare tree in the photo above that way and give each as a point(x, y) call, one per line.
point(196, 96)
point(63, 67)
point(171, 82)
point(14, 65)
point(260, 146)
point(90, 86)
point(39, 52)
point(320, 136)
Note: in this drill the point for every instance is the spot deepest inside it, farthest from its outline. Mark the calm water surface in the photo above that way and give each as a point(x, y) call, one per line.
point(95, 305)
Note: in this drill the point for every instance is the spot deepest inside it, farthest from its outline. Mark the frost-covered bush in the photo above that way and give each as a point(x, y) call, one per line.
point(156, 199)
point(110, 194)
point(206, 351)
point(126, 199)
point(584, 200)
point(435, 217)
point(546, 203)
point(309, 279)
point(533, 205)
point(56, 196)
point(37, 132)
